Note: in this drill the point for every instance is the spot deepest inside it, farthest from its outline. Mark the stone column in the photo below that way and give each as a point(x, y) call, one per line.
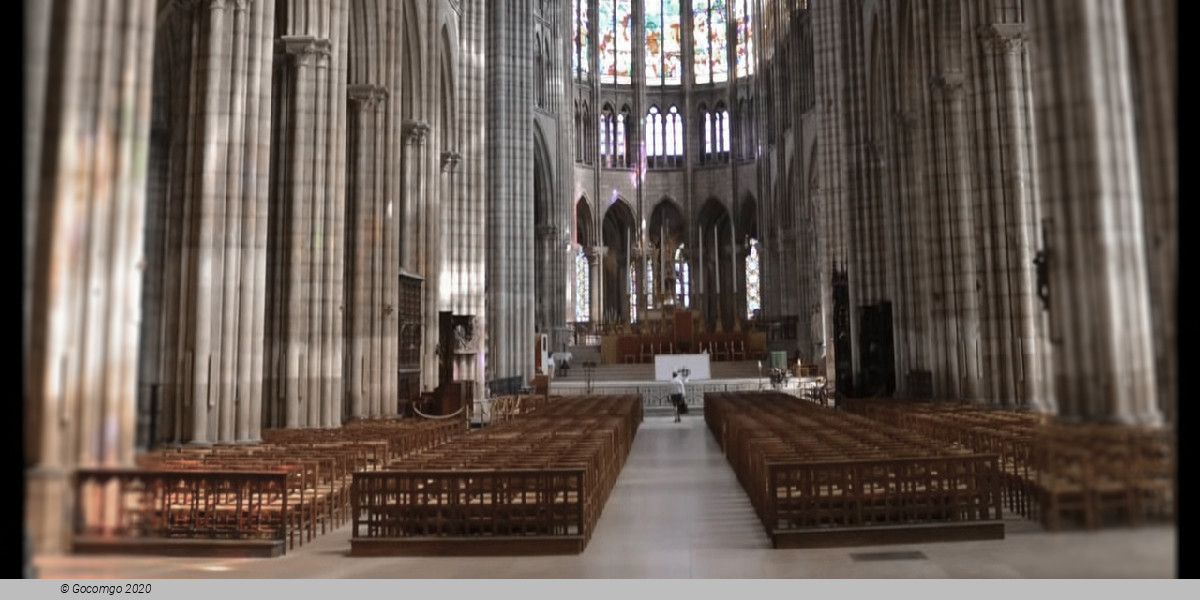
point(83, 211)
point(1028, 348)
point(545, 245)
point(595, 260)
point(460, 368)
point(509, 85)
point(1151, 28)
point(1090, 183)
point(301, 52)
point(414, 133)
point(365, 244)
point(960, 297)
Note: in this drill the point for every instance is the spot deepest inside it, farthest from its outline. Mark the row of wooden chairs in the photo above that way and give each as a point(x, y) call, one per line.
point(806, 466)
point(1064, 475)
point(543, 472)
point(230, 490)
point(719, 350)
point(1102, 475)
point(724, 350)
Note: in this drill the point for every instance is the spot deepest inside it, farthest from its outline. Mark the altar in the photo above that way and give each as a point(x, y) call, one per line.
point(696, 364)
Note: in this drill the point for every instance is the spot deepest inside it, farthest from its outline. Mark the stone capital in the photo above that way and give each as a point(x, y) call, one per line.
point(1004, 38)
point(215, 4)
point(545, 232)
point(366, 95)
point(300, 48)
point(949, 83)
point(450, 161)
point(415, 132)
point(242, 5)
point(323, 48)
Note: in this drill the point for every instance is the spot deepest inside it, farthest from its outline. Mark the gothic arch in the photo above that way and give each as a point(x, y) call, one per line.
point(585, 234)
point(412, 71)
point(448, 91)
point(617, 232)
point(546, 239)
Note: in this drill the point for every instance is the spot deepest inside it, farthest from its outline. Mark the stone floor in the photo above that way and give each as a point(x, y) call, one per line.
point(678, 512)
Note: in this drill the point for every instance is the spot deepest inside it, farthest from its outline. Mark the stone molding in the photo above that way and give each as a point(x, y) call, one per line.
point(1004, 38)
point(301, 48)
point(450, 161)
point(366, 95)
point(949, 84)
point(415, 132)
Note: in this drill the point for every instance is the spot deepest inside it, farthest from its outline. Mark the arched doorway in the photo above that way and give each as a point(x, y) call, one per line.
point(583, 251)
point(751, 260)
point(667, 235)
point(617, 234)
point(717, 289)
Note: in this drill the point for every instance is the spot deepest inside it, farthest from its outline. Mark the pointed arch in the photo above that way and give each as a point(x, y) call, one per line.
point(412, 71)
point(448, 91)
point(585, 229)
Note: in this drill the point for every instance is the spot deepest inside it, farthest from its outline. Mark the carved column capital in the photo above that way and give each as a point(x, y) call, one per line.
point(1003, 38)
point(242, 5)
point(215, 4)
point(545, 232)
point(366, 95)
point(299, 48)
point(450, 161)
point(949, 84)
point(323, 49)
point(415, 132)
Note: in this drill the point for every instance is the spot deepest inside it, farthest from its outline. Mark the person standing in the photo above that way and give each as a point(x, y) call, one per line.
point(677, 395)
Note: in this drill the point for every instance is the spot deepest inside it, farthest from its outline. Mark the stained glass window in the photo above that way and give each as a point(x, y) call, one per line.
point(607, 44)
point(715, 131)
point(582, 64)
point(632, 291)
point(709, 32)
point(654, 42)
point(707, 133)
point(682, 279)
point(672, 43)
point(654, 146)
point(753, 294)
point(701, 66)
point(717, 42)
point(723, 136)
point(650, 284)
point(624, 14)
point(663, 42)
point(605, 121)
point(582, 289)
point(620, 144)
point(674, 134)
point(745, 39)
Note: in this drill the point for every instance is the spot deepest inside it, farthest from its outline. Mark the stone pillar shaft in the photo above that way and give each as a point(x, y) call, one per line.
point(1099, 295)
point(84, 209)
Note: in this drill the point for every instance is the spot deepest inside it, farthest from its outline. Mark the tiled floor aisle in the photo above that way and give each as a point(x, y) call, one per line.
point(678, 512)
